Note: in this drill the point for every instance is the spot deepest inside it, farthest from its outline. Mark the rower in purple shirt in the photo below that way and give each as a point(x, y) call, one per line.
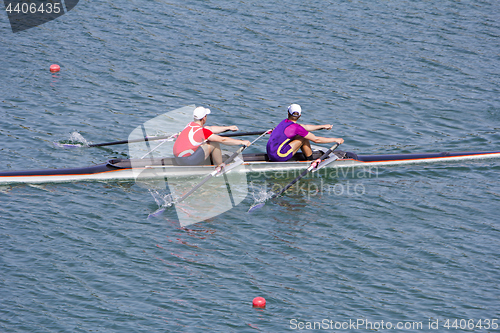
point(288, 137)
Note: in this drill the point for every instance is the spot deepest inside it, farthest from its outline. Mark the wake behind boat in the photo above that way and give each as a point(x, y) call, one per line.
point(127, 170)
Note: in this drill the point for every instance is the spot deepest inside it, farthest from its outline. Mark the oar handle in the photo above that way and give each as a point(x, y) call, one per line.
point(240, 150)
point(315, 164)
point(329, 151)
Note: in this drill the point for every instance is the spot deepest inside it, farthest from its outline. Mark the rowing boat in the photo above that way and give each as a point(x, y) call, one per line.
point(127, 169)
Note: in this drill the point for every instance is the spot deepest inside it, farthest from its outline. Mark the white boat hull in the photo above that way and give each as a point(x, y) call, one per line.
point(108, 171)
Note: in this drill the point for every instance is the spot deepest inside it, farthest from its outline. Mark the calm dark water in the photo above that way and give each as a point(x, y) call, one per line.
point(408, 244)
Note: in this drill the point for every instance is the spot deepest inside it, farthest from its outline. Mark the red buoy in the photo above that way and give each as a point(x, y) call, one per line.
point(55, 68)
point(259, 302)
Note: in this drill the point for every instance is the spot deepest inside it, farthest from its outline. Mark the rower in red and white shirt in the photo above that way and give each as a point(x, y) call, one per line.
point(197, 142)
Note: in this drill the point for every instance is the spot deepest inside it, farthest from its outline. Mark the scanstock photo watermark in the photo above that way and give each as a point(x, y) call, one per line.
point(348, 181)
point(26, 14)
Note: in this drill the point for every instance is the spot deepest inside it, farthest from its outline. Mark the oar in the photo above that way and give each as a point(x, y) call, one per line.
point(305, 172)
point(147, 138)
point(219, 169)
point(153, 138)
point(245, 133)
point(227, 135)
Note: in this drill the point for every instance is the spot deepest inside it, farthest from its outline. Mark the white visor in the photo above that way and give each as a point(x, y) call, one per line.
point(200, 112)
point(294, 108)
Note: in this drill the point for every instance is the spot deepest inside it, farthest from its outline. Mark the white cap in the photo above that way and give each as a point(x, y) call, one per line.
point(200, 112)
point(294, 108)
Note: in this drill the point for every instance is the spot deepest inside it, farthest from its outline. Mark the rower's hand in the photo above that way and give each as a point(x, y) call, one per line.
point(246, 142)
point(327, 127)
point(339, 141)
point(233, 128)
point(220, 168)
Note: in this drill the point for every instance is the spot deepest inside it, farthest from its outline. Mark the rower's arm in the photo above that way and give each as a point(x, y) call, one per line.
point(311, 128)
point(227, 141)
point(320, 139)
point(220, 129)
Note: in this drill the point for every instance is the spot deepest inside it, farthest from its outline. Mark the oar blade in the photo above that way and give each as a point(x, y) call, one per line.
point(70, 145)
point(76, 140)
point(157, 213)
point(256, 207)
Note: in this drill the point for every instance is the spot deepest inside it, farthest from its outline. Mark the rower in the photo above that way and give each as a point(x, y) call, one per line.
point(197, 142)
point(288, 137)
